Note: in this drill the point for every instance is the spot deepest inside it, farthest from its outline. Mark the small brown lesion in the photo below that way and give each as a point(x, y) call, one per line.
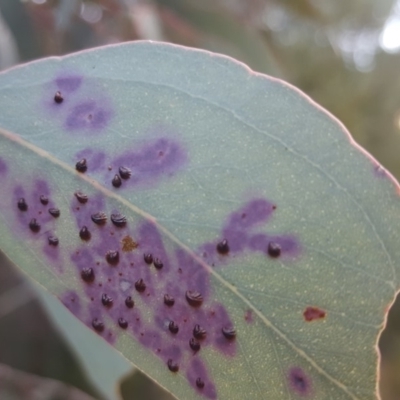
point(128, 244)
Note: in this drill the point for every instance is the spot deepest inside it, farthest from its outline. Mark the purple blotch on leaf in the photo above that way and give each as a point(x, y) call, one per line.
point(274, 246)
point(198, 377)
point(71, 300)
point(253, 213)
point(299, 381)
point(151, 241)
point(194, 273)
point(224, 345)
point(155, 159)
point(240, 235)
point(133, 277)
point(150, 339)
point(3, 167)
point(68, 83)
point(88, 115)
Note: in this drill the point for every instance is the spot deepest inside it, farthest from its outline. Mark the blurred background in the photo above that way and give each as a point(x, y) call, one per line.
point(344, 54)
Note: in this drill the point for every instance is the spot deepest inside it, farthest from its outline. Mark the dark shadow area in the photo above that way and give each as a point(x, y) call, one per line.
point(389, 345)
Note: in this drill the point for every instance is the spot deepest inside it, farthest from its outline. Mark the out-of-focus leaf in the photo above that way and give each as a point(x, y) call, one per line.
point(8, 48)
point(139, 386)
point(64, 14)
point(219, 31)
point(21, 27)
point(17, 385)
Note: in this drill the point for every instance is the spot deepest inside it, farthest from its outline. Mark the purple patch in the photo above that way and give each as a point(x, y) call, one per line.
point(180, 273)
point(255, 212)
point(38, 211)
point(198, 370)
point(151, 243)
point(239, 238)
point(225, 346)
point(88, 115)
point(68, 83)
point(150, 339)
point(288, 244)
point(53, 253)
point(41, 189)
point(153, 160)
point(193, 274)
point(71, 300)
point(299, 382)
point(3, 167)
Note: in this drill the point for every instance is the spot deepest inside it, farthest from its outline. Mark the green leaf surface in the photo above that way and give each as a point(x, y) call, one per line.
point(215, 152)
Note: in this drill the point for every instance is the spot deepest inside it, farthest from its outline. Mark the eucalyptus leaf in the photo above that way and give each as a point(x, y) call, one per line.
point(215, 225)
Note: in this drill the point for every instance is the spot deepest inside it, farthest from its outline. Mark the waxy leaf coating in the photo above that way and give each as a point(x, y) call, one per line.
point(213, 224)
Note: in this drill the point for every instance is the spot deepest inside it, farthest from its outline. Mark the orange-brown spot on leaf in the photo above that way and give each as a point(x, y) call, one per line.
point(128, 244)
point(313, 313)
